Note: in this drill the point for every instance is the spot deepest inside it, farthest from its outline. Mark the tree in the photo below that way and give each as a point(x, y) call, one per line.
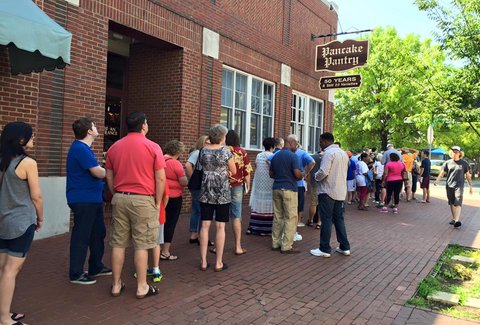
point(395, 88)
point(459, 35)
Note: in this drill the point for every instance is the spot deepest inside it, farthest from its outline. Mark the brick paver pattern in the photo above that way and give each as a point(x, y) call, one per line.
point(390, 255)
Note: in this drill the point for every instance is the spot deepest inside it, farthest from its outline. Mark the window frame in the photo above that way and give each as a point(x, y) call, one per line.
point(230, 123)
point(306, 120)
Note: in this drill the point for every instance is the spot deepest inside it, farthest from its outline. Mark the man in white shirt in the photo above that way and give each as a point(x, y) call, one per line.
point(332, 189)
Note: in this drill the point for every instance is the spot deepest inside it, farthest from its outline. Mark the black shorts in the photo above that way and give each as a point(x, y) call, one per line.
point(19, 246)
point(455, 196)
point(221, 211)
point(301, 198)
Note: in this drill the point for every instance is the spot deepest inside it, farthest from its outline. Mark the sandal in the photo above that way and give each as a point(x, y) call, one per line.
point(212, 250)
point(244, 251)
point(152, 291)
point(168, 257)
point(309, 224)
point(117, 294)
point(203, 269)
point(16, 317)
point(318, 226)
point(223, 268)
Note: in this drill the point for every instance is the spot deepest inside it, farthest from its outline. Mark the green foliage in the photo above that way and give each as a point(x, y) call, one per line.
point(456, 271)
point(428, 286)
point(458, 23)
point(463, 280)
point(394, 88)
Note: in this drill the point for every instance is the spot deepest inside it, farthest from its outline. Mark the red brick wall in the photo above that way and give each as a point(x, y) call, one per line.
point(257, 36)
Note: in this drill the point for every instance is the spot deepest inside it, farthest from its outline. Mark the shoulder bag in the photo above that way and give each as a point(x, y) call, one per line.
point(195, 182)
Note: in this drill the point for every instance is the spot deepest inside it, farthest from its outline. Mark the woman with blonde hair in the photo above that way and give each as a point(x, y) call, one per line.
point(190, 165)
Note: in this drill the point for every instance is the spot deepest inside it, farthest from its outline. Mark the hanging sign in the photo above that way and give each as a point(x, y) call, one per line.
point(341, 56)
point(352, 81)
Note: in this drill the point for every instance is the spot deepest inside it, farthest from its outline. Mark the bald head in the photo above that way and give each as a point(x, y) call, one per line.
point(291, 142)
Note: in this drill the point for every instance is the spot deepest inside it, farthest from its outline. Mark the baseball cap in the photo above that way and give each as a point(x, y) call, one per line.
point(389, 145)
point(456, 148)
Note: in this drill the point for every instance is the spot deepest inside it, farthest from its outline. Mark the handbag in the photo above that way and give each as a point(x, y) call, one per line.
point(195, 181)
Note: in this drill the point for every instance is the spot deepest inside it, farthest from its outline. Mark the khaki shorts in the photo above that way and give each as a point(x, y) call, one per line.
point(409, 179)
point(313, 194)
point(135, 218)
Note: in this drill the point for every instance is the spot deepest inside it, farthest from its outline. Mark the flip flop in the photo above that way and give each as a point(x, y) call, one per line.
point(16, 317)
point(242, 252)
point(203, 269)
point(223, 268)
point(117, 294)
point(168, 257)
point(152, 291)
point(309, 224)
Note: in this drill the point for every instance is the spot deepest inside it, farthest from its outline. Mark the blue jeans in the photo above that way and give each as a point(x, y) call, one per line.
point(236, 193)
point(195, 218)
point(88, 233)
point(332, 211)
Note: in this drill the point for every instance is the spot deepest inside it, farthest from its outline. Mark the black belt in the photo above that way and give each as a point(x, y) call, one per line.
point(131, 193)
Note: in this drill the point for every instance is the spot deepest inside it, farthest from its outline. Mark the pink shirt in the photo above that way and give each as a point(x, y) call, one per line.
point(133, 160)
point(394, 170)
point(174, 171)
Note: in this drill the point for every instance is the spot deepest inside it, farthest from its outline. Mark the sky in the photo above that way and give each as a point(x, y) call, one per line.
point(367, 14)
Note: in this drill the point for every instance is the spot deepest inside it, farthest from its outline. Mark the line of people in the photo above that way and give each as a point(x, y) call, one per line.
point(146, 186)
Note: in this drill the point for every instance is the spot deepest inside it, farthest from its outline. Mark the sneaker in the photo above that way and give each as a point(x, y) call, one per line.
point(343, 252)
point(157, 277)
point(395, 210)
point(384, 210)
point(457, 224)
point(379, 205)
point(318, 252)
point(84, 279)
point(297, 237)
point(452, 222)
point(391, 206)
point(300, 224)
point(149, 273)
point(104, 271)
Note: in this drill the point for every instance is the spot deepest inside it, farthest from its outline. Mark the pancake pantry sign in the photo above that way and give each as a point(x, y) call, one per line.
point(339, 56)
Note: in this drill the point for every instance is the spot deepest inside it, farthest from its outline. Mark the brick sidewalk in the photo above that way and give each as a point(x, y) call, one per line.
point(390, 255)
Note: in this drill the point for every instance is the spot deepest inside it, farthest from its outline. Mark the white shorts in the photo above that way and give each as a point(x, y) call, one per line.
point(351, 185)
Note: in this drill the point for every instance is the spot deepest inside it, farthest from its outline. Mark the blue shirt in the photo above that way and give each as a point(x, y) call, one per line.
point(352, 166)
point(82, 186)
point(304, 159)
point(282, 165)
point(426, 164)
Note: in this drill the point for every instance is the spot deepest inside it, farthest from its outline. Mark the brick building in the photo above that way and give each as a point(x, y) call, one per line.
point(187, 64)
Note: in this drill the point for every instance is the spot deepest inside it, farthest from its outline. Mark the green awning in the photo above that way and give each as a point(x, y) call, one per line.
point(34, 40)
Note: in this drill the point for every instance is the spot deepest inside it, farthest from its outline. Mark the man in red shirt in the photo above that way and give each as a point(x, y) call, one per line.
point(136, 177)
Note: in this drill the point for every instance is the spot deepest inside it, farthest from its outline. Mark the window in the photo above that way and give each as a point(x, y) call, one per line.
point(307, 121)
point(247, 107)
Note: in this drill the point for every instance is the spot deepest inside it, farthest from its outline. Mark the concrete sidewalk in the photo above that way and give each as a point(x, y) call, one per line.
point(390, 255)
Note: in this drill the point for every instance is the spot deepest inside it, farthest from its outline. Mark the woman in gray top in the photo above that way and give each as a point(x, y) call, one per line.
point(21, 209)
